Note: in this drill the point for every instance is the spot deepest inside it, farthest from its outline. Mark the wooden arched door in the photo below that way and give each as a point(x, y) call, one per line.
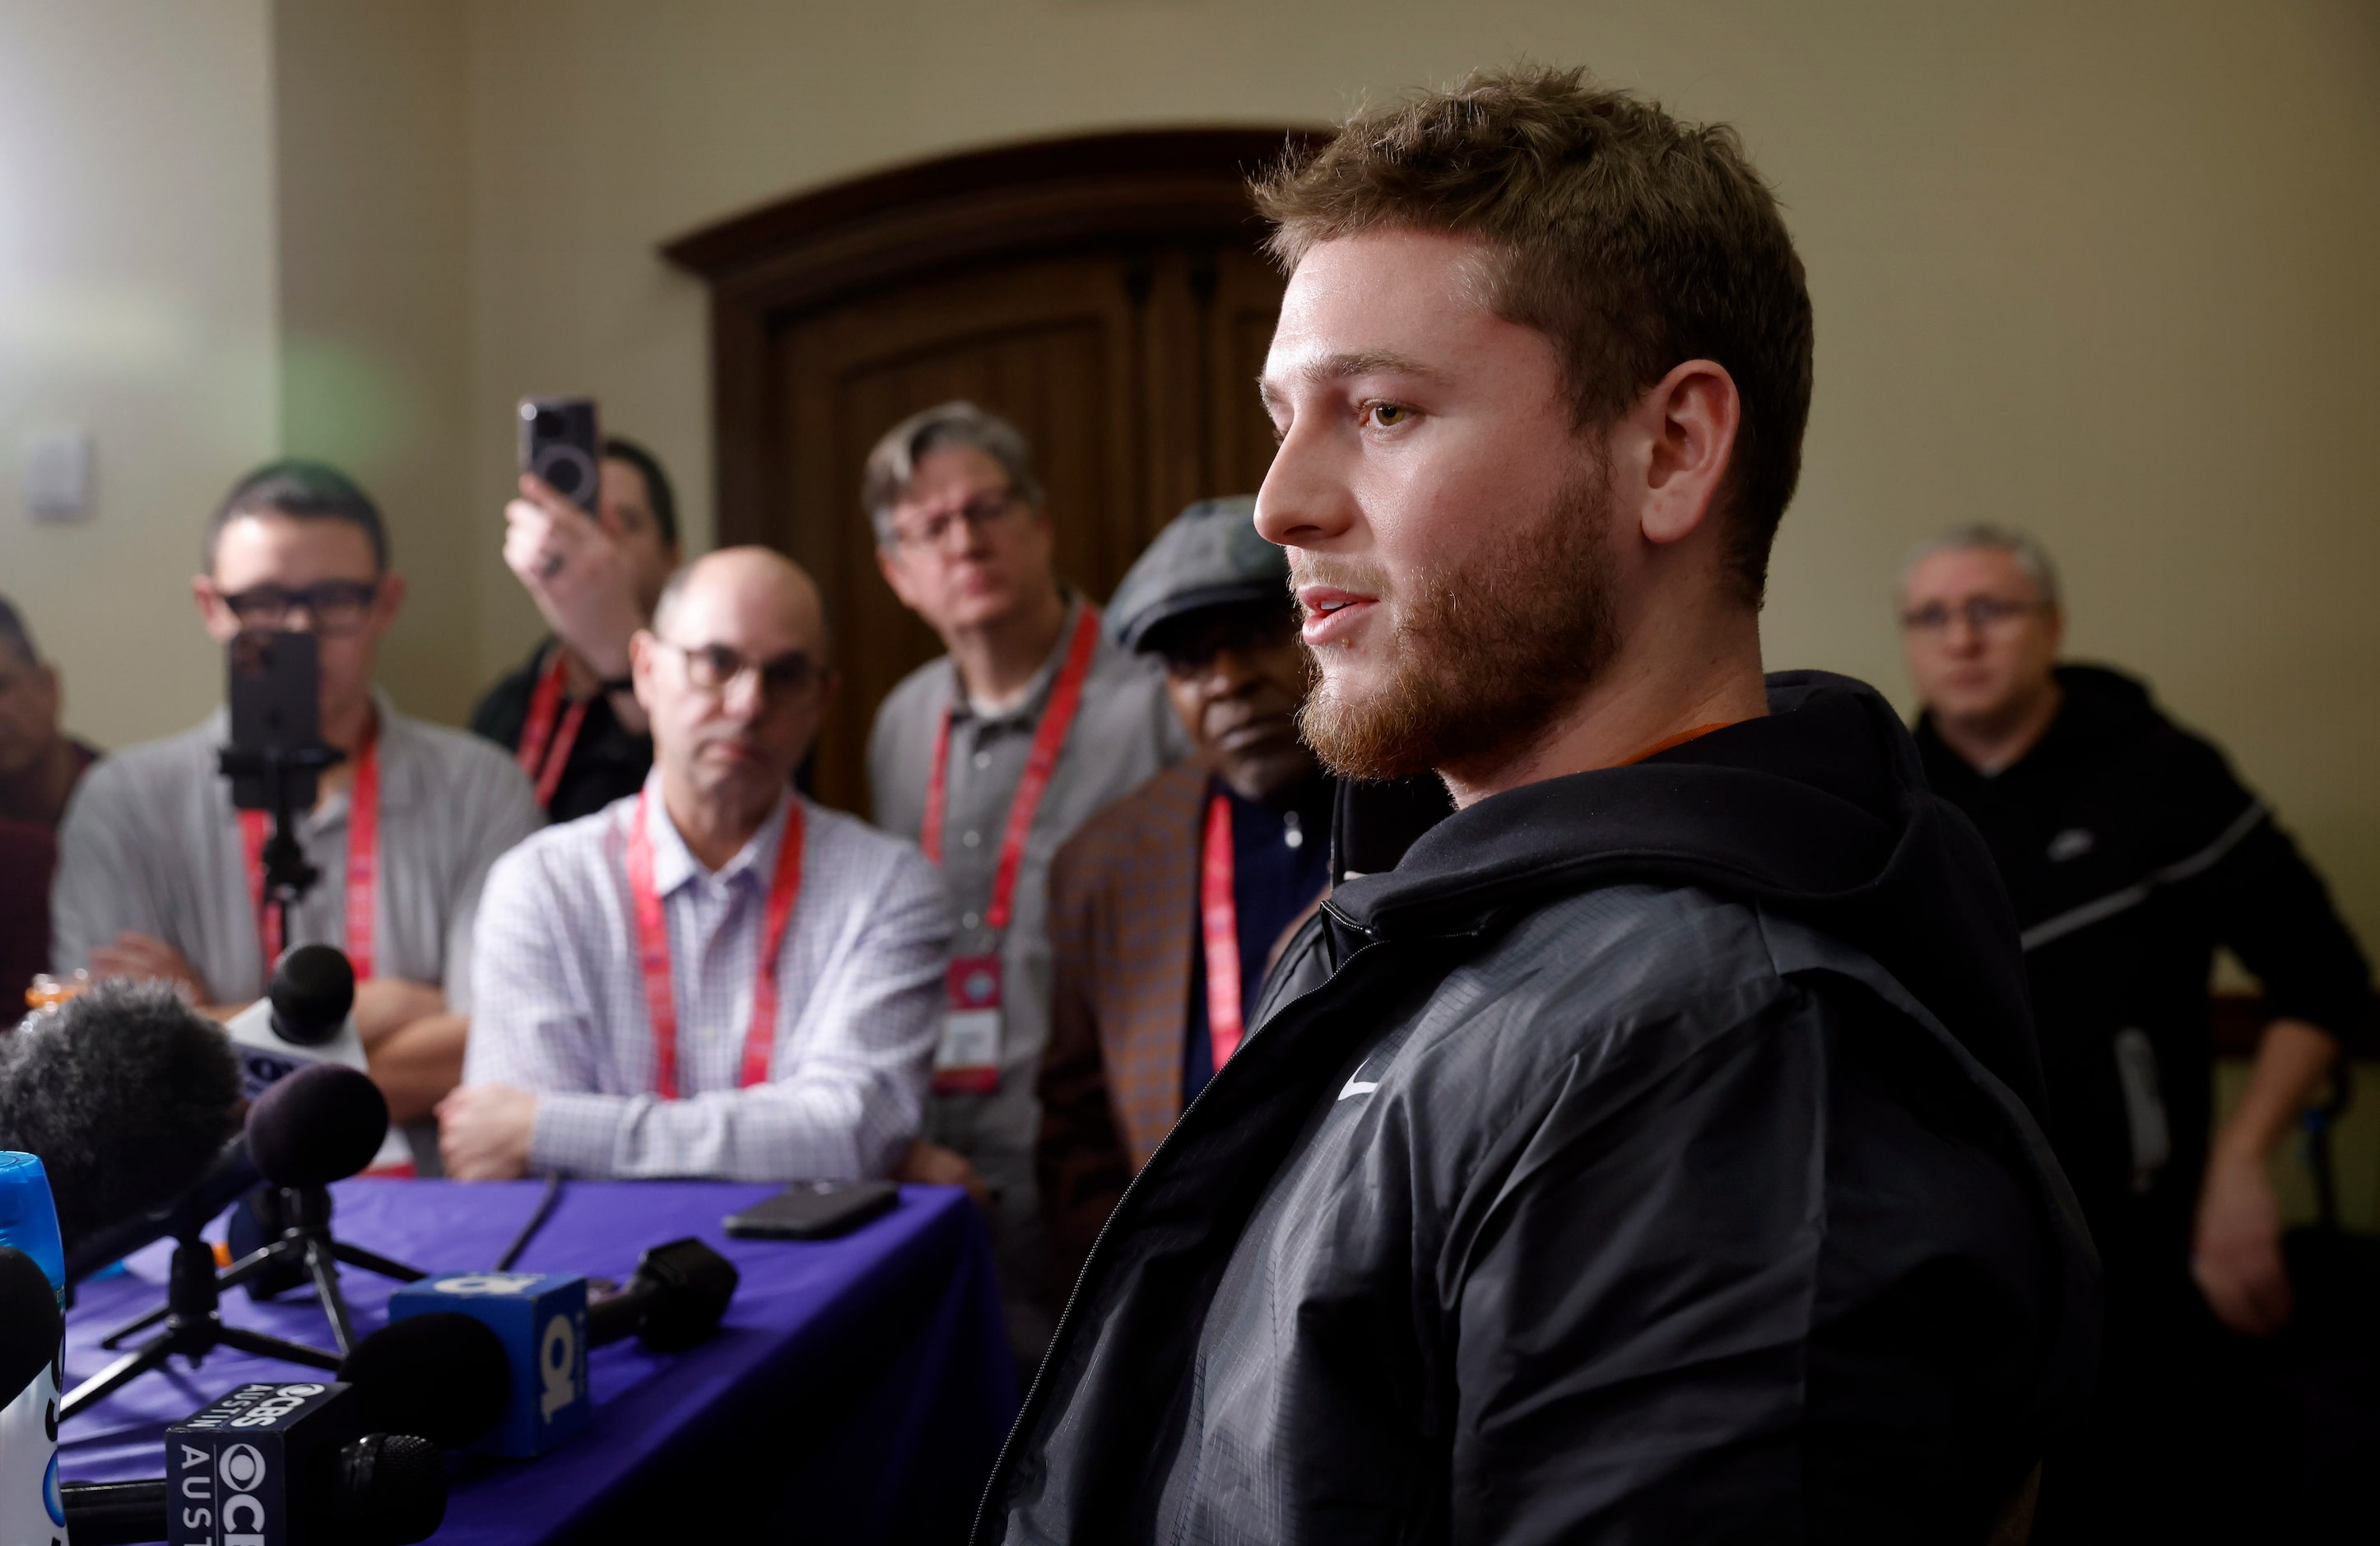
point(1105, 293)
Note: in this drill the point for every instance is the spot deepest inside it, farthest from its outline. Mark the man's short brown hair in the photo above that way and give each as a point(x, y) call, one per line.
point(1633, 240)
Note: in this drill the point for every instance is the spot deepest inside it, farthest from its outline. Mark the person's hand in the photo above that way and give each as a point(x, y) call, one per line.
point(932, 1165)
point(139, 955)
point(385, 1005)
point(573, 567)
point(2237, 1254)
point(484, 1131)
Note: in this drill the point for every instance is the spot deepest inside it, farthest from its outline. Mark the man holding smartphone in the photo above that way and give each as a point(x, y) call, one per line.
point(160, 877)
point(567, 714)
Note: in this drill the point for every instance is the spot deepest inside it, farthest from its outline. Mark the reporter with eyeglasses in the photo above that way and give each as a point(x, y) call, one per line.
point(2131, 851)
point(991, 756)
point(159, 876)
point(713, 977)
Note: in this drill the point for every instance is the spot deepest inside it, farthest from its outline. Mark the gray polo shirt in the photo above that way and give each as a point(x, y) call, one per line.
point(1124, 732)
point(151, 843)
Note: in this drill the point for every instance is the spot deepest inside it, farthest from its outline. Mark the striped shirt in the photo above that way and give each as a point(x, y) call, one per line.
point(560, 1000)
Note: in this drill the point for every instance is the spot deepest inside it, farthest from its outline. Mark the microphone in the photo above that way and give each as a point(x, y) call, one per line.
point(319, 1125)
point(321, 1122)
point(271, 1463)
point(442, 1374)
point(305, 1017)
point(311, 1126)
point(539, 1323)
point(126, 1092)
point(674, 1299)
point(29, 1322)
point(227, 1176)
point(32, 1273)
point(456, 1359)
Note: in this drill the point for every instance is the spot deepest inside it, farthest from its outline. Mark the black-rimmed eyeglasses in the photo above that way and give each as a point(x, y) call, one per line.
point(333, 606)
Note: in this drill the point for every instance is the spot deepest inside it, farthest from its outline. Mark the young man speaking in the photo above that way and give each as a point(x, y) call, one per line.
point(1653, 1152)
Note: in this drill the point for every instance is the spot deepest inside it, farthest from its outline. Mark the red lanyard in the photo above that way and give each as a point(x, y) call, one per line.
point(1218, 924)
point(363, 867)
point(544, 749)
point(1048, 739)
point(653, 951)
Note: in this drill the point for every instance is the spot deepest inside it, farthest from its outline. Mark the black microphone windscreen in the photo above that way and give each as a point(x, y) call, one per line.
point(443, 1376)
point(126, 1092)
point(391, 1490)
point(29, 1322)
point(319, 1125)
point(312, 988)
point(696, 1285)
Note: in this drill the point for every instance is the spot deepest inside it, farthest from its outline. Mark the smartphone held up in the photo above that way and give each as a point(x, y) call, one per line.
point(561, 441)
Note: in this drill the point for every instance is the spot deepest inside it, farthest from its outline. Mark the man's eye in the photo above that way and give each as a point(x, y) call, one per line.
point(1388, 416)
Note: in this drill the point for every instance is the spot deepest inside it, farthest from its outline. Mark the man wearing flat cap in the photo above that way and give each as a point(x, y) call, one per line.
point(1165, 908)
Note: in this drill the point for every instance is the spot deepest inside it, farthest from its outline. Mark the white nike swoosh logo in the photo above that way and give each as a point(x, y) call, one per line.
point(1358, 1087)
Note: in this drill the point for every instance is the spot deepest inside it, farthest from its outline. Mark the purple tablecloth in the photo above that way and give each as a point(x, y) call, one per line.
point(858, 1390)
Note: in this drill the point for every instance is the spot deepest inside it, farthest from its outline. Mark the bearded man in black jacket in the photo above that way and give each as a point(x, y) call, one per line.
point(1651, 1149)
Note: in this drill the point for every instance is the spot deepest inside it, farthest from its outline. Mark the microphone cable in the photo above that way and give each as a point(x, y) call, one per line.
point(546, 1199)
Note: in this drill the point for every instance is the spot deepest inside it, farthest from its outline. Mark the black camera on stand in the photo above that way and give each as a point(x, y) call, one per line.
point(277, 754)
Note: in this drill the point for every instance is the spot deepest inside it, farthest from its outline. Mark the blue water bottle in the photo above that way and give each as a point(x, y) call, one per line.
point(31, 1513)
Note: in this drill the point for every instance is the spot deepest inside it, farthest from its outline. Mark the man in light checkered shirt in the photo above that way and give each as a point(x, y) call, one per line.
point(715, 976)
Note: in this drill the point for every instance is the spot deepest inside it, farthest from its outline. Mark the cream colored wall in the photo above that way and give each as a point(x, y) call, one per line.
point(137, 273)
point(2104, 271)
point(371, 123)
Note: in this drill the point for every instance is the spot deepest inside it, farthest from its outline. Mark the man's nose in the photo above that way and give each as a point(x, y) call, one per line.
point(1227, 673)
point(1304, 501)
point(745, 698)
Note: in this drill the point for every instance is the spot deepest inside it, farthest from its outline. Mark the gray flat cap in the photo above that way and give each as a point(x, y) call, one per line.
point(1208, 555)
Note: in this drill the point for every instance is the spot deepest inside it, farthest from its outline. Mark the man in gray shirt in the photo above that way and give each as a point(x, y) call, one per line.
point(990, 757)
point(159, 876)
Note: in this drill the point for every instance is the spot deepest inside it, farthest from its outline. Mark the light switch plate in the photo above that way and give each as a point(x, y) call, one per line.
point(57, 474)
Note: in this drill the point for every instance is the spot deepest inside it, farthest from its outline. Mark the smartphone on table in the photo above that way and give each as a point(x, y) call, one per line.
point(814, 1210)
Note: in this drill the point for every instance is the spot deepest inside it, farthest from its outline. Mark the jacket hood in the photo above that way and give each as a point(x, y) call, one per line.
point(2102, 705)
point(1820, 810)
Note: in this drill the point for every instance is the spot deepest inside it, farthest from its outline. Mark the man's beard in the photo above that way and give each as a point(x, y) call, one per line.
point(1483, 658)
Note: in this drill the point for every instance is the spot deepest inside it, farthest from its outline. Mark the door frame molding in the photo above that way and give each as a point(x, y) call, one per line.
point(812, 249)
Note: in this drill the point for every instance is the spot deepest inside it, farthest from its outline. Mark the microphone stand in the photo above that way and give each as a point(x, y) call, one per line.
point(194, 1326)
point(306, 1243)
point(288, 873)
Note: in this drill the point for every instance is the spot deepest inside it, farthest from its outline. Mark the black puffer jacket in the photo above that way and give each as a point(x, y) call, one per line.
point(1649, 1156)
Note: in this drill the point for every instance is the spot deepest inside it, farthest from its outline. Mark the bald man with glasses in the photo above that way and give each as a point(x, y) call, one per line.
point(712, 977)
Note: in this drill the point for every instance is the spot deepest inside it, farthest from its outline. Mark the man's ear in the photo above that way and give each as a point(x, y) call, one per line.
point(391, 599)
point(890, 568)
point(211, 610)
point(642, 648)
point(1688, 421)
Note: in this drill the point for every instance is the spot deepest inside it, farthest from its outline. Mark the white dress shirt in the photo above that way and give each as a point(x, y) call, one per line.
point(560, 1009)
